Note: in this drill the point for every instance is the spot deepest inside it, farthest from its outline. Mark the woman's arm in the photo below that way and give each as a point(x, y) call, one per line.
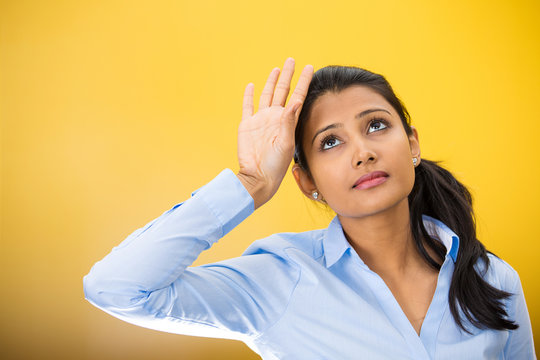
point(520, 343)
point(146, 280)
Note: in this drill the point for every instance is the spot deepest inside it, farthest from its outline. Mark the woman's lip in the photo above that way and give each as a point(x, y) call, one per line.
point(371, 183)
point(368, 180)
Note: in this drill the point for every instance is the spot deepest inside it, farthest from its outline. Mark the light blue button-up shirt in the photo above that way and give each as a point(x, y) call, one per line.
point(291, 295)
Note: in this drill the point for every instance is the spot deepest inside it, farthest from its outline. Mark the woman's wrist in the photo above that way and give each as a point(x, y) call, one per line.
point(255, 188)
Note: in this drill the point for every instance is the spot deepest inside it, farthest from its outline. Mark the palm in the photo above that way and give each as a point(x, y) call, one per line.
point(260, 146)
point(266, 139)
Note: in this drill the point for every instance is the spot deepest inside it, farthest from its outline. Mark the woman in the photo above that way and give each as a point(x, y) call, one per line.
point(398, 273)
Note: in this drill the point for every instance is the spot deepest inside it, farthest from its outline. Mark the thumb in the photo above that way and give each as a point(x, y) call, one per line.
point(288, 123)
point(291, 114)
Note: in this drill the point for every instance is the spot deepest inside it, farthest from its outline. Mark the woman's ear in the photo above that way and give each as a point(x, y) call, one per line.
point(306, 185)
point(414, 144)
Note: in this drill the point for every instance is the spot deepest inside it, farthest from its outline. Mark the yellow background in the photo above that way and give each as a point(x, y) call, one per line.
point(114, 111)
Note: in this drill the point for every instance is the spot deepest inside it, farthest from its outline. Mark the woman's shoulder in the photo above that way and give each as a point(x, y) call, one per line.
point(499, 274)
point(285, 243)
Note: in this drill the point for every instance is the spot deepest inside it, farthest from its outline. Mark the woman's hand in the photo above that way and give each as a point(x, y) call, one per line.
point(266, 139)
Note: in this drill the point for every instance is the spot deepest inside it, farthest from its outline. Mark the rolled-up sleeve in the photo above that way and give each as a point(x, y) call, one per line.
point(146, 281)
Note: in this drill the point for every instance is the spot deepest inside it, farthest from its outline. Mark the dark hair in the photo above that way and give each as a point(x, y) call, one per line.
point(436, 193)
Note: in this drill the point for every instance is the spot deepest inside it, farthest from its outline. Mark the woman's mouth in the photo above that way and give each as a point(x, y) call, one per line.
point(370, 180)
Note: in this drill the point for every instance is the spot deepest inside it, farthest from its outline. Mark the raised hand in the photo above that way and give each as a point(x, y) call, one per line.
point(266, 139)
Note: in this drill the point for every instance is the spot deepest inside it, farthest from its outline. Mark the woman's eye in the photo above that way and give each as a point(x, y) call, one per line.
point(329, 143)
point(376, 125)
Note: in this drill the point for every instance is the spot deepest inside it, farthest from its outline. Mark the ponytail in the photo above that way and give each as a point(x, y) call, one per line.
point(437, 193)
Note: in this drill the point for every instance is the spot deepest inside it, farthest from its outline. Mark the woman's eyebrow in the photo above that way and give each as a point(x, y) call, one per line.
point(369, 111)
point(331, 126)
point(336, 125)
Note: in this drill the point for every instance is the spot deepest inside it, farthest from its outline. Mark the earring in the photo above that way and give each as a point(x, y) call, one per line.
point(315, 195)
point(414, 161)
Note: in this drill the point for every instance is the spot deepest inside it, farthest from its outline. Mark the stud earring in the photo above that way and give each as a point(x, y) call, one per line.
point(414, 161)
point(315, 195)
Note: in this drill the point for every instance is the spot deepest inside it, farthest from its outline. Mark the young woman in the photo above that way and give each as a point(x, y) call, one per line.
point(398, 273)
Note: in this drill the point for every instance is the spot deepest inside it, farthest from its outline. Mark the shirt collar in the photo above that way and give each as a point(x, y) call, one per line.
point(335, 243)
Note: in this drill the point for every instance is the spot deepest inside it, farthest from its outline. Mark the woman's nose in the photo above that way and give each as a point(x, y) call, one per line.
point(362, 154)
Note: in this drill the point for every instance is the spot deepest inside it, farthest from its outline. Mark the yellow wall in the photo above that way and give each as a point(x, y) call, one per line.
point(113, 111)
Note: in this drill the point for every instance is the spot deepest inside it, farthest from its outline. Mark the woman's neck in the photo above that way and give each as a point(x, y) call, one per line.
point(384, 241)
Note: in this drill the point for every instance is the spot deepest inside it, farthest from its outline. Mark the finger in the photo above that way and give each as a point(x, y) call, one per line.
point(301, 89)
point(247, 106)
point(284, 84)
point(289, 116)
point(268, 91)
point(288, 122)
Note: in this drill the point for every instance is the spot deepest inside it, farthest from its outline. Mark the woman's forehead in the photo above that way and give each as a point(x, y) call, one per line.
point(339, 106)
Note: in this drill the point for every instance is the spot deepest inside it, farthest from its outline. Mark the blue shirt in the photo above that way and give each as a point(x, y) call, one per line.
point(292, 296)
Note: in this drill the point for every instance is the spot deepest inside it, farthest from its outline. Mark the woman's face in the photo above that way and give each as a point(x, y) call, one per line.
point(350, 134)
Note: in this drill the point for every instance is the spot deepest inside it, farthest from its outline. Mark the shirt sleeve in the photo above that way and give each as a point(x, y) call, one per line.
point(520, 343)
point(146, 281)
